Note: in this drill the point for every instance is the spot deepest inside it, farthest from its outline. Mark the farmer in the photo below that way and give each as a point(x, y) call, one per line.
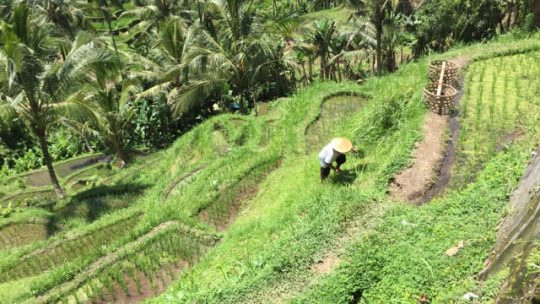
point(334, 152)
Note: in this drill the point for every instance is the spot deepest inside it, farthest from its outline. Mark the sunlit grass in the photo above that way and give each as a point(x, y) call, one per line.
point(501, 92)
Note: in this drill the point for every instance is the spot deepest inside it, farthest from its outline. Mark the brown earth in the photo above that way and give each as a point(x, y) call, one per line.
point(431, 171)
point(413, 183)
point(148, 286)
point(326, 265)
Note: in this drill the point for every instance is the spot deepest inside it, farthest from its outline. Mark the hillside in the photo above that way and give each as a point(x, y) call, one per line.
point(234, 212)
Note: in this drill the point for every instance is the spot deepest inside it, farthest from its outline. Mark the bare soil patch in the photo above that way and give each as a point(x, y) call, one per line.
point(508, 139)
point(413, 183)
point(326, 265)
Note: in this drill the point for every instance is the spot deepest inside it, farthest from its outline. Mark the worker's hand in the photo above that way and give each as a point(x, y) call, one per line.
point(355, 150)
point(338, 171)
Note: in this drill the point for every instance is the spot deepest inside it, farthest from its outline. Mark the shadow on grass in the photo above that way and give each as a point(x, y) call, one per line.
point(348, 176)
point(91, 204)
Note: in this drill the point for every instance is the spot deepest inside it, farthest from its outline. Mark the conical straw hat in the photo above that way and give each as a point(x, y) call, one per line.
point(341, 144)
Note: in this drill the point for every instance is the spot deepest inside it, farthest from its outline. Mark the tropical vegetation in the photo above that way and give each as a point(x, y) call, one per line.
point(166, 150)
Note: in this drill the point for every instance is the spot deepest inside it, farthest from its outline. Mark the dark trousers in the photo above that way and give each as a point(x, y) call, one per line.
point(340, 160)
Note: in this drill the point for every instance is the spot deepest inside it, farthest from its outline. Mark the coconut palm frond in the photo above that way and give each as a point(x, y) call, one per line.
point(155, 91)
point(196, 93)
point(77, 107)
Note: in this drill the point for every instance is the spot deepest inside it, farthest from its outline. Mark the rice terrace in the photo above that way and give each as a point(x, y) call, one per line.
point(257, 151)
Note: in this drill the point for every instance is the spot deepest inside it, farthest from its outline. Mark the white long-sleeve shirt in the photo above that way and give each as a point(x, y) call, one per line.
point(328, 155)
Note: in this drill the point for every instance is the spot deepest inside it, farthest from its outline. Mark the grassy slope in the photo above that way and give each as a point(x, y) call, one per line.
point(284, 228)
point(404, 258)
point(293, 218)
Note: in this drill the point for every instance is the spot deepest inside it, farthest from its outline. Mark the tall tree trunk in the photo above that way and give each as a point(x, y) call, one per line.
point(109, 24)
point(118, 146)
point(323, 67)
point(44, 145)
point(508, 17)
point(304, 73)
point(310, 68)
point(199, 11)
point(242, 105)
point(338, 71)
point(122, 159)
point(378, 38)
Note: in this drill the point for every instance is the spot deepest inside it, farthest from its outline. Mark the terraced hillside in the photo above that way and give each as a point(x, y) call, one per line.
point(234, 211)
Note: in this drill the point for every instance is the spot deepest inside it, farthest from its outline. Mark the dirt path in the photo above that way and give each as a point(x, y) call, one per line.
point(433, 157)
point(413, 183)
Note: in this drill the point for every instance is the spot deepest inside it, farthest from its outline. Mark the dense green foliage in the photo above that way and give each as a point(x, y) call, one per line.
point(188, 56)
point(232, 210)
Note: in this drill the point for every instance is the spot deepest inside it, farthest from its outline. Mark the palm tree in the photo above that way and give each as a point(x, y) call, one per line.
point(338, 46)
point(106, 104)
point(152, 14)
point(66, 17)
point(320, 36)
point(165, 67)
point(376, 12)
point(232, 46)
point(35, 83)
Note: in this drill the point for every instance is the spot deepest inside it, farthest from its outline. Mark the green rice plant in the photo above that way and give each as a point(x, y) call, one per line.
point(108, 284)
point(118, 276)
point(131, 271)
point(161, 277)
point(97, 289)
point(170, 271)
point(76, 297)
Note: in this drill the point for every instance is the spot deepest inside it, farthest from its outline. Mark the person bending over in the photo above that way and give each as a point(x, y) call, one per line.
point(334, 152)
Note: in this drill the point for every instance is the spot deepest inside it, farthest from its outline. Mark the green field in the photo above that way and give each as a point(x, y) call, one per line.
point(234, 211)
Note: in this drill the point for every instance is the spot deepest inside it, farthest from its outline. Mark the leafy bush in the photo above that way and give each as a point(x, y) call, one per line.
point(31, 159)
point(443, 23)
point(152, 124)
point(65, 144)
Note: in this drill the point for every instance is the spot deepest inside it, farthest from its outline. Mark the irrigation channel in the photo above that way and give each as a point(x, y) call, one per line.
point(434, 156)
